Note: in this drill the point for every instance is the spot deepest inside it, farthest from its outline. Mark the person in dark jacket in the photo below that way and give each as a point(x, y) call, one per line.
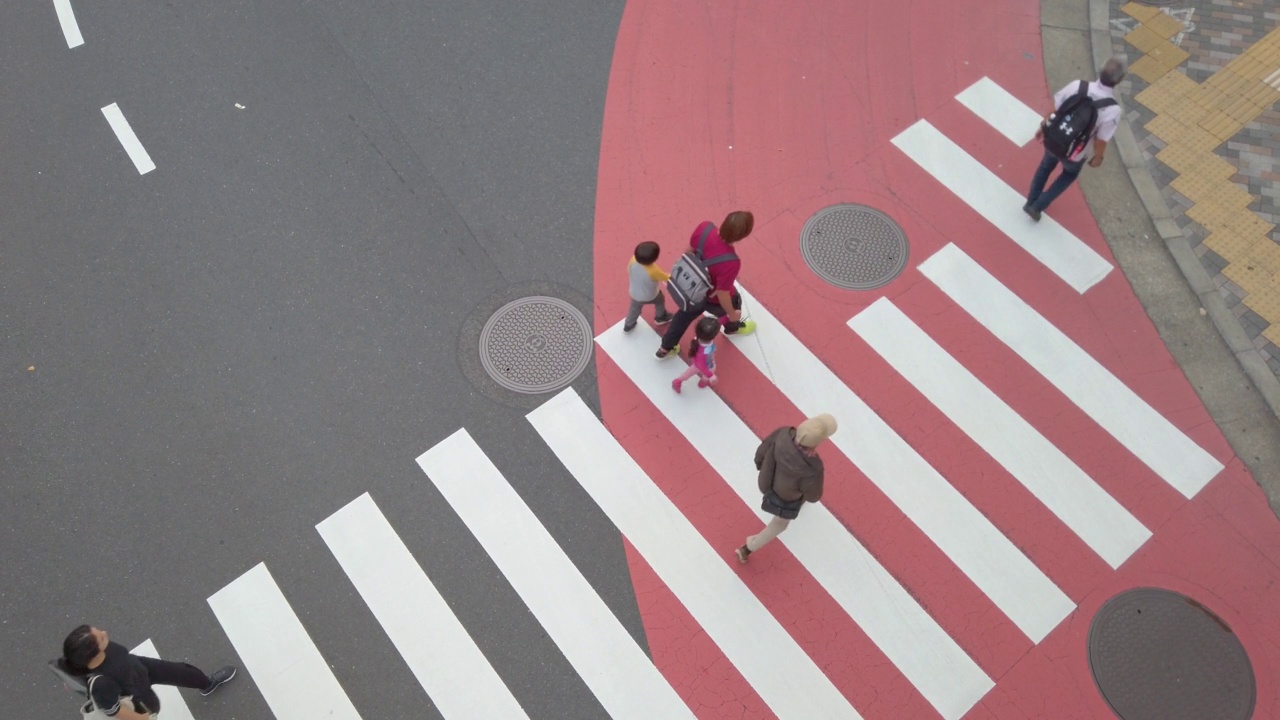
point(113, 673)
point(790, 475)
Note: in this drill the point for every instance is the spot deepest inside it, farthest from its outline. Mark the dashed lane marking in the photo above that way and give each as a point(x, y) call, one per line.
point(128, 139)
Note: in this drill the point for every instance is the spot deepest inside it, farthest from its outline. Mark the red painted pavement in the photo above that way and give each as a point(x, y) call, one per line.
point(786, 108)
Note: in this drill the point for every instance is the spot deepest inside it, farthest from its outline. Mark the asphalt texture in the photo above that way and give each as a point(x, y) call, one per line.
point(232, 347)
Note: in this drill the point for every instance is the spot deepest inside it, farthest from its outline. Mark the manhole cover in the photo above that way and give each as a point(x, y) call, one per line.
point(853, 246)
point(1159, 655)
point(535, 344)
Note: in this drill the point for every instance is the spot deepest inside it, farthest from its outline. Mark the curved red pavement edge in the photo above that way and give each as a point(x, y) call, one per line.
point(787, 109)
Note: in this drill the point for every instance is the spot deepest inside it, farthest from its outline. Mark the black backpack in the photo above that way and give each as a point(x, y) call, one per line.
point(1069, 127)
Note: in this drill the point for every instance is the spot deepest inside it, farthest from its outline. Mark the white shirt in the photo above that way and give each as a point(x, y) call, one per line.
point(1108, 117)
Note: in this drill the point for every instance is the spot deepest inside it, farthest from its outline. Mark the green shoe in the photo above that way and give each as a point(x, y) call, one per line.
point(748, 327)
point(664, 354)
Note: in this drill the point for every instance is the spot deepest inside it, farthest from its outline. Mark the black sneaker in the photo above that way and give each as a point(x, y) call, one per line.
point(663, 319)
point(1034, 213)
point(220, 677)
point(628, 328)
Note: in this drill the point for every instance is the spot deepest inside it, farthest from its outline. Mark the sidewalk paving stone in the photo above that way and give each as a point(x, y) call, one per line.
point(1204, 114)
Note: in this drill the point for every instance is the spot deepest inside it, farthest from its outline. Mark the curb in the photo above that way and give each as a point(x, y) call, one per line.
point(1266, 382)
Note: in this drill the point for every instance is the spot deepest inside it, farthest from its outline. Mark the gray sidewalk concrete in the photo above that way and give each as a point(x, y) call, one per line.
point(1159, 262)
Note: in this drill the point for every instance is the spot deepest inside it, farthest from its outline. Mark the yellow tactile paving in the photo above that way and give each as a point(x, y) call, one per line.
point(1193, 120)
point(1250, 224)
point(1183, 160)
point(1163, 25)
point(1266, 302)
point(1141, 13)
point(1166, 128)
point(1212, 217)
point(1148, 68)
point(1144, 39)
point(1188, 113)
point(1206, 189)
point(1250, 278)
point(1231, 244)
point(1272, 333)
point(1228, 195)
point(1265, 254)
point(1167, 93)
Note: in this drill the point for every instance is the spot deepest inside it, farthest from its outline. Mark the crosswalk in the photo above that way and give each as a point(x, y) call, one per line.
point(926, 649)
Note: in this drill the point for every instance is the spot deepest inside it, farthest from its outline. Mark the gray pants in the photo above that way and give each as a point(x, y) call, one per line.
point(659, 309)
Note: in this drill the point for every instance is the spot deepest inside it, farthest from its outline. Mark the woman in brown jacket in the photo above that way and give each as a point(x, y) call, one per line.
point(790, 475)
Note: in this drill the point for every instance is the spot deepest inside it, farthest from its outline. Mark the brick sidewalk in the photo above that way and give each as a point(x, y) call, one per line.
point(1193, 110)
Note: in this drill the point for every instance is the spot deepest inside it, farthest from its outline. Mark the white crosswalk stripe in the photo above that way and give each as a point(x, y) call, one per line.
point(171, 702)
point(415, 616)
point(947, 677)
point(1079, 265)
point(1021, 591)
point(1004, 112)
point(1147, 434)
point(782, 674)
point(622, 678)
point(277, 652)
point(1041, 467)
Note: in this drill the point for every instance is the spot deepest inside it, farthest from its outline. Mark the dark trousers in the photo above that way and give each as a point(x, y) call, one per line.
point(165, 672)
point(681, 321)
point(1039, 198)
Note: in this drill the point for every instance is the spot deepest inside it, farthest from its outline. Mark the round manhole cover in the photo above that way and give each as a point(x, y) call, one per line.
point(535, 344)
point(1158, 655)
point(854, 247)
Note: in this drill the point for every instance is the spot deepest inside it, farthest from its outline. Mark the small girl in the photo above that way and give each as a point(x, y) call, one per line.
point(702, 355)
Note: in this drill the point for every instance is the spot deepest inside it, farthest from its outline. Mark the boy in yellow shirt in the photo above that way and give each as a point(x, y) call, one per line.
point(645, 276)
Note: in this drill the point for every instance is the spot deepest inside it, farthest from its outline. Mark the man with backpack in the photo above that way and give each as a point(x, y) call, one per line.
point(702, 280)
point(1082, 111)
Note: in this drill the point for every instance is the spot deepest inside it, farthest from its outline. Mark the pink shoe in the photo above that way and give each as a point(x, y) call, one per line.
point(675, 385)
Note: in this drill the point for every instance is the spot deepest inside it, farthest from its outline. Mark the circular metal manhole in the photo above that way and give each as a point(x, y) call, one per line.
point(535, 344)
point(1159, 655)
point(854, 246)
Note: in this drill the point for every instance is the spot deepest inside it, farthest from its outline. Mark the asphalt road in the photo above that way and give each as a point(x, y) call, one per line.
point(228, 349)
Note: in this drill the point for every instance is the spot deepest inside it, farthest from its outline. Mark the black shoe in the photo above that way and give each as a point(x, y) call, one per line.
point(663, 319)
point(1034, 213)
point(628, 328)
point(220, 677)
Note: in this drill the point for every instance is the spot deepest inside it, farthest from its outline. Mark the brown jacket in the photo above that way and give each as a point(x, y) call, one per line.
point(791, 472)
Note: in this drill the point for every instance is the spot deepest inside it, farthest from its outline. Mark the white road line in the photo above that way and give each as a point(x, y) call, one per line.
point(992, 562)
point(286, 666)
point(1004, 112)
point(769, 659)
point(1104, 524)
point(171, 702)
point(609, 661)
point(128, 139)
point(1047, 241)
point(930, 660)
point(1153, 439)
point(430, 638)
point(70, 29)
point(1273, 80)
